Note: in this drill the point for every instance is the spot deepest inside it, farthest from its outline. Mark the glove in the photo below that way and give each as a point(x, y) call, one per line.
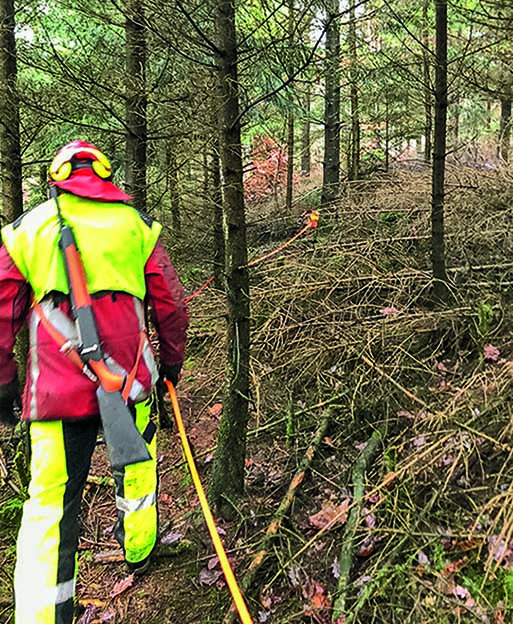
point(9, 401)
point(171, 372)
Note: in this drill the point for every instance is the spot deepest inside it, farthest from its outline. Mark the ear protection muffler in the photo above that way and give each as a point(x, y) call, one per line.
point(62, 166)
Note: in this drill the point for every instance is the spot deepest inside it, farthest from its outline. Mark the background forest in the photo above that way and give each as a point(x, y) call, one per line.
point(347, 389)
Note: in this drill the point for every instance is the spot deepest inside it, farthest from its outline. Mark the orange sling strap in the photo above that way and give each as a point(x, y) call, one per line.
point(66, 346)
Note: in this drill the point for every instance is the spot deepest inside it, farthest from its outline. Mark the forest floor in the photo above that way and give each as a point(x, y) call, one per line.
point(401, 510)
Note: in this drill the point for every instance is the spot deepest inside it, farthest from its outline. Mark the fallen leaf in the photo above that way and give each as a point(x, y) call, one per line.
point(443, 386)
point(92, 602)
point(166, 499)
point(491, 353)
point(369, 518)
point(463, 593)
point(450, 568)
point(388, 479)
point(405, 414)
point(215, 410)
point(171, 538)
point(330, 515)
point(419, 441)
point(368, 546)
point(265, 600)
point(107, 616)
point(500, 551)
point(464, 545)
point(317, 601)
point(122, 586)
point(209, 577)
point(88, 616)
point(212, 563)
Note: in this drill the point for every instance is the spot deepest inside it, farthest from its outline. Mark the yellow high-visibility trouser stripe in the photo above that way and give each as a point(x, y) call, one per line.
point(136, 499)
point(35, 582)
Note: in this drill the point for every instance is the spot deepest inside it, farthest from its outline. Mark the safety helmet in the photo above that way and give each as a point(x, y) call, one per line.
point(80, 168)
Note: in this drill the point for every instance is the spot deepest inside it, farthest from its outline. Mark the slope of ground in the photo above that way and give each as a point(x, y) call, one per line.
point(342, 328)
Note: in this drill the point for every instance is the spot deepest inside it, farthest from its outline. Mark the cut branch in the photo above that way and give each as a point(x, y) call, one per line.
point(280, 514)
point(346, 553)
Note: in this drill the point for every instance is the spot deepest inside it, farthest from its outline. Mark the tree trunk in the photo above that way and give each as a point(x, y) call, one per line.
point(331, 170)
point(428, 98)
point(217, 201)
point(387, 133)
point(136, 102)
point(440, 289)
point(10, 150)
point(306, 153)
point(172, 187)
point(290, 117)
point(227, 482)
point(290, 159)
point(505, 126)
point(354, 163)
point(10, 161)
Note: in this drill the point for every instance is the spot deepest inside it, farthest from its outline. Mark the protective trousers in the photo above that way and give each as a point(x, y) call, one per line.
point(46, 563)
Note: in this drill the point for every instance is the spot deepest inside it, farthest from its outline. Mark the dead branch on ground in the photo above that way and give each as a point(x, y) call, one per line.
point(281, 512)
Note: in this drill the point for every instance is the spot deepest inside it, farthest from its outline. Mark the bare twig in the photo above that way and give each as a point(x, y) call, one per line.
point(280, 514)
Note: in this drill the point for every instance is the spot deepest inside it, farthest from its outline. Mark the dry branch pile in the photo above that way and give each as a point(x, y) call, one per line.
point(345, 318)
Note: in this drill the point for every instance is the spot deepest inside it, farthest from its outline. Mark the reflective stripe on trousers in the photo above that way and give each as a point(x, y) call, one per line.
point(136, 500)
point(44, 579)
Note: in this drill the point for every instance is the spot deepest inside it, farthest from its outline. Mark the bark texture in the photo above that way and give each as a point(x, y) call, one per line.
point(227, 483)
point(136, 102)
point(10, 152)
point(440, 289)
point(331, 170)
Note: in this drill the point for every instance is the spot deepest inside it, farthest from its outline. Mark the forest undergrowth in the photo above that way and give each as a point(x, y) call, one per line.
point(379, 460)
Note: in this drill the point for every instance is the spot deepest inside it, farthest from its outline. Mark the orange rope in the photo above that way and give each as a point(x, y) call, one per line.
point(218, 545)
point(312, 223)
point(195, 294)
point(280, 247)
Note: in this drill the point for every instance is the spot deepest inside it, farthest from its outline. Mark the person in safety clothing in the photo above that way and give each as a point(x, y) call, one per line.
point(127, 271)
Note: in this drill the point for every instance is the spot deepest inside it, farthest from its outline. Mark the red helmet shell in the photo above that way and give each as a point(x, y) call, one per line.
point(92, 181)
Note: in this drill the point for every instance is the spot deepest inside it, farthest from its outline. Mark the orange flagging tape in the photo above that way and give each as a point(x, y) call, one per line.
point(218, 545)
point(312, 218)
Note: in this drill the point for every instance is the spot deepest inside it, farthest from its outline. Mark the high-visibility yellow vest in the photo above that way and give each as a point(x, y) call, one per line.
point(114, 241)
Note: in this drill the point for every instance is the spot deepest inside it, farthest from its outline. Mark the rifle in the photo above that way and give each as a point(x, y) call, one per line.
point(125, 443)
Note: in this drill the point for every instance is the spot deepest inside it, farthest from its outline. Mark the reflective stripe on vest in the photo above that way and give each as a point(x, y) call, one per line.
point(66, 327)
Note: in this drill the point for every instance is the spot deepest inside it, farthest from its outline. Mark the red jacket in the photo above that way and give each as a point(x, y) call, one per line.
point(55, 388)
